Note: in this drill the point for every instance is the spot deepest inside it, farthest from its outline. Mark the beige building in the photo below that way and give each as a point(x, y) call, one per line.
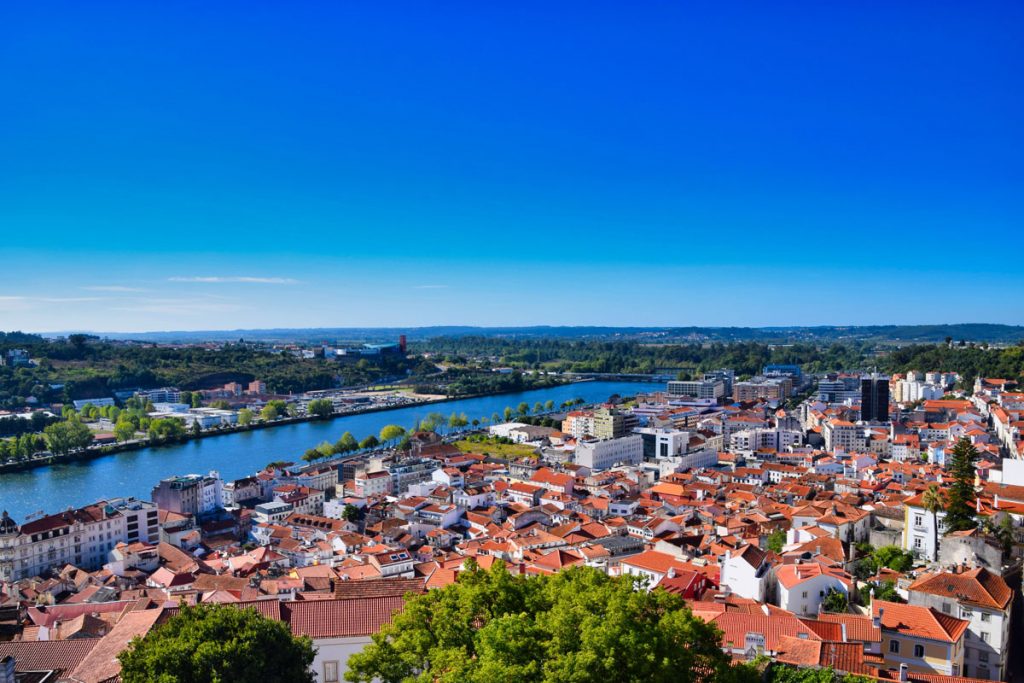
point(926, 640)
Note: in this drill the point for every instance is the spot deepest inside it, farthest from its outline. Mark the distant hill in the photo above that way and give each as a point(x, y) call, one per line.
point(972, 332)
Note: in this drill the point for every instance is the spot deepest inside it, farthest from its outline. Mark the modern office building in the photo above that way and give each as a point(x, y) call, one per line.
point(874, 398)
point(698, 388)
point(725, 375)
point(611, 423)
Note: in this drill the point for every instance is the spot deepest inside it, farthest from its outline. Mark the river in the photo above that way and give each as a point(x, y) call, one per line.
point(134, 473)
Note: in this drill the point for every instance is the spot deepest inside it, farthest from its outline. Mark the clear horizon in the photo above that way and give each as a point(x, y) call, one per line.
point(249, 167)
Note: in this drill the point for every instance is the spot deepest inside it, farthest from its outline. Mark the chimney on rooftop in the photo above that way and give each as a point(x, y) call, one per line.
point(876, 622)
point(903, 672)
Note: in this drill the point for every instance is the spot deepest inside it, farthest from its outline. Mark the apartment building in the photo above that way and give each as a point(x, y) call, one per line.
point(81, 537)
point(191, 494)
point(762, 389)
point(579, 424)
point(985, 602)
point(697, 388)
point(843, 435)
point(602, 454)
point(925, 640)
point(610, 423)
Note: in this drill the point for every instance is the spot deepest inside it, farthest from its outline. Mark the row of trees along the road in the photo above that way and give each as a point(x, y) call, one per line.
point(398, 437)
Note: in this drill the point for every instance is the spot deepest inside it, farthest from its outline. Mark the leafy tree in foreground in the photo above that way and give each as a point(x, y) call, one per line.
point(578, 625)
point(212, 643)
point(780, 673)
point(960, 513)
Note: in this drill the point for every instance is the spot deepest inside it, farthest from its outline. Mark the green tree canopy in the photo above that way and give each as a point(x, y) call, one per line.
point(960, 513)
point(347, 443)
point(782, 673)
point(577, 625)
point(886, 590)
point(389, 433)
point(776, 540)
point(124, 431)
point(67, 436)
point(320, 408)
point(214, 643)
point(166, 429)
point(835, 601)
point(245, 416)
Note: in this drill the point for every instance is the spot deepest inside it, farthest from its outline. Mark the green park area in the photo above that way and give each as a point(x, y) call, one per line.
point(495, 447)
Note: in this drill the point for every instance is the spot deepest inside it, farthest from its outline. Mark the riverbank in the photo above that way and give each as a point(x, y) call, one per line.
point(239, 454)
point(99, 451)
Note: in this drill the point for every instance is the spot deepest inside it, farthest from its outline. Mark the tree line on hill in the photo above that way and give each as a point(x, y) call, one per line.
point(85, 367)
point(745, 358)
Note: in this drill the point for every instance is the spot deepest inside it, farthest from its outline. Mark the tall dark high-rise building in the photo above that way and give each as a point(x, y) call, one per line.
point(874, 398)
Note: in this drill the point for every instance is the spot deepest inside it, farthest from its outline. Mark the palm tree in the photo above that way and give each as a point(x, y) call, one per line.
point(934, 501)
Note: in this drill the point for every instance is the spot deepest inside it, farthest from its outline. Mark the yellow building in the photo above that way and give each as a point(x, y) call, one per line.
point(925, 640)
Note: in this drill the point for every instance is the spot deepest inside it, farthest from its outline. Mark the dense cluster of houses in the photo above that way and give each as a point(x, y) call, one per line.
point(761, 517)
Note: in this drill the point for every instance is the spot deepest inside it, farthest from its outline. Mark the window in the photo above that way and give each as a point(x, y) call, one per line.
point(918, 520)
point(966, 613)
point(330, 672)
point(982, 655)
point(805, 594)
point(984, 637)
point(894, 647)
point(945, 608)
point(985, 616)
point(917, 541)
point(919, 650)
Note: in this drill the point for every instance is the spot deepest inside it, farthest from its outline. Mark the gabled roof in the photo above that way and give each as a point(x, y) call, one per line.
point(792, 575)
point(751, 554)
point(978, 587)
point(101, 663)
point(376, 588)
point(918, 622)
point(46, 655)
point(341, 618)
point(857, 627)
point(736, 625)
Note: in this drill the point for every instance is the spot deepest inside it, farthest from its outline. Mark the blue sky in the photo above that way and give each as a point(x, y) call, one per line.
point(219, 165)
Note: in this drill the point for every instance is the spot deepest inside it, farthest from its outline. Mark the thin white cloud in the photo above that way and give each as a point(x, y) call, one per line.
point(112, 288)
point(14, 303)
point(431, 287)
point(246, 280)
point(22, 303)
point(179, 307)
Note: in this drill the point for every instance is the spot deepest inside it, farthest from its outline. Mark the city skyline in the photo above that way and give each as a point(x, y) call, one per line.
point(242, 167)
